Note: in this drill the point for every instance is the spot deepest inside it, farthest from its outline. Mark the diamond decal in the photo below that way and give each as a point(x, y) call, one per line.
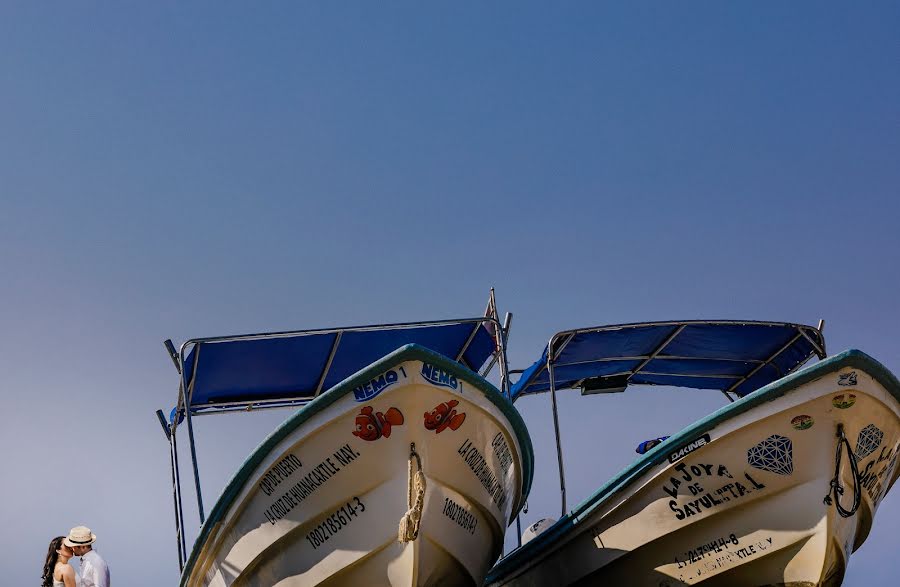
point(869, 439)
point(774, 454)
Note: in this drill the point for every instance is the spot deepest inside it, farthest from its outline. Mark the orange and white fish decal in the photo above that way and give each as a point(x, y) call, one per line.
point(444, 416)
point(372, 426)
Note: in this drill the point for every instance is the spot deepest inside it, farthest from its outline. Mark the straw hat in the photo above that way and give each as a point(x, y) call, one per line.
point(79, 536)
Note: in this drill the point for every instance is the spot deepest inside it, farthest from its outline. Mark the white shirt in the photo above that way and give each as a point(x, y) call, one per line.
point(94, 570)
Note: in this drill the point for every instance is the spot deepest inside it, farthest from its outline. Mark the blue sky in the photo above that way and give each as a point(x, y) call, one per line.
point(172, 171)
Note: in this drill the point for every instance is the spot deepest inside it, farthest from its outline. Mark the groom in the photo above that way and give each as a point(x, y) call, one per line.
point(94, 571)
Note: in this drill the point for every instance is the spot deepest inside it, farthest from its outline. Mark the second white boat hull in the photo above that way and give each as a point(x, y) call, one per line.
point(740, 498)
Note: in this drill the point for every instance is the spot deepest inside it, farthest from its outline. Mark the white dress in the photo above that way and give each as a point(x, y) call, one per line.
point(62, 584)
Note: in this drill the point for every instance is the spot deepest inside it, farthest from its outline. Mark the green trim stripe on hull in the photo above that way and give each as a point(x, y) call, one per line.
point(544, 541)
point(326, 399)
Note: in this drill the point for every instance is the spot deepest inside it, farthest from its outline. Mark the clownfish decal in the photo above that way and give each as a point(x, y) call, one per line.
point(444, 416)
point(371, 425)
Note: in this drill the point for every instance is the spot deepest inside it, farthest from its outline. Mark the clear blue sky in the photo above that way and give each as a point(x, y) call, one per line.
point(179, 170)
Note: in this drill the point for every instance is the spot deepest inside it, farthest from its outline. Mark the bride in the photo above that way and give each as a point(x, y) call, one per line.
point(57, 570)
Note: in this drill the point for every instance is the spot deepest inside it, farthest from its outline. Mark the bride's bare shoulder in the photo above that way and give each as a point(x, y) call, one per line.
point(66, 570)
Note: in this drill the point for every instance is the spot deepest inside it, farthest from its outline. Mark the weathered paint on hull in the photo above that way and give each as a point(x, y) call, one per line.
point(746, 508)
point(322, 505)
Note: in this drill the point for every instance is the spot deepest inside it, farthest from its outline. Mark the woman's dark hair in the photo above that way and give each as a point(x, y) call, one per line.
point(50, 564)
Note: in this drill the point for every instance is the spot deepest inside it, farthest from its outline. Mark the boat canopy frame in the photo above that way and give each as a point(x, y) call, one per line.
point(187, 361)
point(809, 338)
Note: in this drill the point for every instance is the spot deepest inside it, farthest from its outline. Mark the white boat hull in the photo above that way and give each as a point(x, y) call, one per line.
point(744, 503)
point(321, 501)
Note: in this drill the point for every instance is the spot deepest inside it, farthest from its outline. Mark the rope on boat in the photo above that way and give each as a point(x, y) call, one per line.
point(415, 499)
point(836, 488)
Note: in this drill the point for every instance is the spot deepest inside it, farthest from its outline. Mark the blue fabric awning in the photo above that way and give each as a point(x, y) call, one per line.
point(733, 356)
point(295, 367)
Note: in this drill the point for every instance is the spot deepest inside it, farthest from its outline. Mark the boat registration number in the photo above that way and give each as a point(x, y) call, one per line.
point(333, 524)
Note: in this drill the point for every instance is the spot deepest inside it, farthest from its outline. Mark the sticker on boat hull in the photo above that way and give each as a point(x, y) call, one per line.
point(443, 416)
point(847, 379)
point(868, 441)
point(774, 454)
point(372, 425)
point(802, 422)
point(376, 385)
point(439, 377)
point(689, 448)
point(843, 401)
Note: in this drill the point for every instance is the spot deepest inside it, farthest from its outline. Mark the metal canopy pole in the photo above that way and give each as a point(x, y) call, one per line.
point(820, 350)
point(559, 456)
point(334, 348)
point(505, 386)
point(169, 430)
point(490, 366)
point(180, 512)
point(166, 430)
point(465, 347)
point(497, 357)
point(186, 398)
point(500, 357)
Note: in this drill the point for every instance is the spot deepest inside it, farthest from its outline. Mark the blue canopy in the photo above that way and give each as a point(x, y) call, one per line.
point(294, 367)
point(731, 356)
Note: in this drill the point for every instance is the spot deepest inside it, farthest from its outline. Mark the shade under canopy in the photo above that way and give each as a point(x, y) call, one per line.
point(734, 356)
point(294, 367)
